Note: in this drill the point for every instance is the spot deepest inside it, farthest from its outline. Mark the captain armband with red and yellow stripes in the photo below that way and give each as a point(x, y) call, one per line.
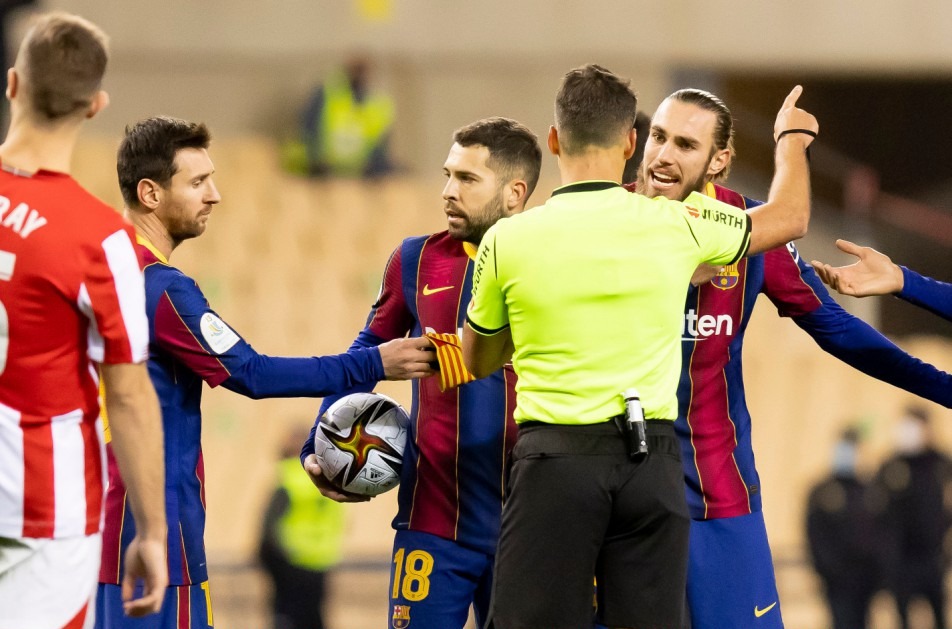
point(449, 354)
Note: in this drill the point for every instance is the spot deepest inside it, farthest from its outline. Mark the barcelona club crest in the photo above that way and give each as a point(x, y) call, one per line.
point(401, 617)
point(727, 278)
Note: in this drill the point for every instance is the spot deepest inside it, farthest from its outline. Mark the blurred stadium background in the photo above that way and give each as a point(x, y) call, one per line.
point(293, 264)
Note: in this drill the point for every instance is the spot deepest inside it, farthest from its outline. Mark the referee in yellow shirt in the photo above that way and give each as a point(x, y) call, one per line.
point(586, 295)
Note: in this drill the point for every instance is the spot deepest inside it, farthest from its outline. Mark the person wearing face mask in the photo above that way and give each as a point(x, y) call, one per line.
point(843, 537)
point(917, 518)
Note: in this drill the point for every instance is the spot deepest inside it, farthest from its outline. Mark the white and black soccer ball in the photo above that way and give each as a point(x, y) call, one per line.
point(359, 443)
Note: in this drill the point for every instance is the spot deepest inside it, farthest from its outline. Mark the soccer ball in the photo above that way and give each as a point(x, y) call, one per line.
point(359, 443)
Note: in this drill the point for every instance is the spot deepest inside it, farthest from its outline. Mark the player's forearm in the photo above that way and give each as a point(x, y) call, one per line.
point(786, 214)
point(861, 346)
point(135, 421)
point(262, 376)
point(484, 354)
point(927, 293)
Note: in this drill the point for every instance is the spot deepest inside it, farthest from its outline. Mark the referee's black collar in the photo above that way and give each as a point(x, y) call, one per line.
point(586, 186)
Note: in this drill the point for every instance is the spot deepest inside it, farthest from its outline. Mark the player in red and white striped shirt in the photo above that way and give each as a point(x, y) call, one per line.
point(71, 307)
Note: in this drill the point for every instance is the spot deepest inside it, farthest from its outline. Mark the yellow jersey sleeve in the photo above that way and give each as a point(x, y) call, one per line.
point(487, 312)
point(721, 231)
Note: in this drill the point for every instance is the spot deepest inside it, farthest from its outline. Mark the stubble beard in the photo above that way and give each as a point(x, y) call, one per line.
point(479, 222)
point(697, 185)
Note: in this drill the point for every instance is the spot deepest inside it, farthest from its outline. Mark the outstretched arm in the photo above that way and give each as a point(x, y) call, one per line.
point(797, 292)
point(875, 274)
point(925, 292)
point(859, 345)
point(872, 274)
point(786, 213)
point(187, 327)
point(260, 376)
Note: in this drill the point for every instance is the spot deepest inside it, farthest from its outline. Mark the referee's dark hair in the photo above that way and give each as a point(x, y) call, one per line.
point(514, 151)
point(723, 126)
point(148, 152)
point(593, 108)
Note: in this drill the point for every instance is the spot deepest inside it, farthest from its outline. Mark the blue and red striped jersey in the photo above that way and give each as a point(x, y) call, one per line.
point(188, 345)
point(713, 422)
point(453, 479)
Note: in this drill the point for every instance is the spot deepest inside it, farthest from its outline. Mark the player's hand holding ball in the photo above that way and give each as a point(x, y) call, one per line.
point(358, 447)
point(325, 486)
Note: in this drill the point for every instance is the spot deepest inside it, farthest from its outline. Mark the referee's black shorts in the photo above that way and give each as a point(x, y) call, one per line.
point(578, 507)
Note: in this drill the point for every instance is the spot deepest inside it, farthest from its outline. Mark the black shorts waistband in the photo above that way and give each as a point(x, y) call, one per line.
point(657, 426)
point(600, 438)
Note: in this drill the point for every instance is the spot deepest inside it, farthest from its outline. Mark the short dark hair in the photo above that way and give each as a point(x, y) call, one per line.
point(593, 108)
point(61, 61)
point(724, 124)
point(514, 150)
point(148, 152)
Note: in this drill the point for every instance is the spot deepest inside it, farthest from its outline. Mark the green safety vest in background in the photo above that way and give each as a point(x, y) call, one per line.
point(311, 531)
point(350, 131)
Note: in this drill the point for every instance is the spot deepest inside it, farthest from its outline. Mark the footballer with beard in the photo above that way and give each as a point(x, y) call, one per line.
point(731, 580)
point(461, 431)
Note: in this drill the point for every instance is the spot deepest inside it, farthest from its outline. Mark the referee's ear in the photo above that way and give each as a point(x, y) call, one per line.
point(631, 143)
point(553, 141)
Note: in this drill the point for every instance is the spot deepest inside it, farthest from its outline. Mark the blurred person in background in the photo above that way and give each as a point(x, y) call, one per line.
point(166, 179)
point(453, 480)
point(301, 541)
point(875, 274)
point(690, 148)
point(843, 514)
point(917, 482)
point(345, 127)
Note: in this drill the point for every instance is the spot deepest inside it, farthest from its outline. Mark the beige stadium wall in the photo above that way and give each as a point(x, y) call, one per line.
point(294, 264)
point(246, 66)
point(860, 34)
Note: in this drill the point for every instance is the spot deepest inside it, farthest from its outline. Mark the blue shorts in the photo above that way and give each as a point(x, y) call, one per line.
point(434, 581)
point(731, 580)
point(184, 607)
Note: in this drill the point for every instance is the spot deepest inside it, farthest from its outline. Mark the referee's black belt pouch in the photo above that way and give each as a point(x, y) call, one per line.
point(539, 439)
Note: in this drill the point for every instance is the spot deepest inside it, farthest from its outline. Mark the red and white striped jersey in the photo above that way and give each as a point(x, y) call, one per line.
point(71, 296)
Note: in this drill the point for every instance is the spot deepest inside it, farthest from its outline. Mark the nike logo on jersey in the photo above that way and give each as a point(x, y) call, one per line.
point(760, 612)
point(432, 291)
